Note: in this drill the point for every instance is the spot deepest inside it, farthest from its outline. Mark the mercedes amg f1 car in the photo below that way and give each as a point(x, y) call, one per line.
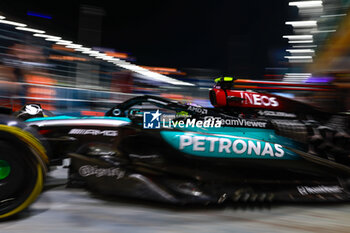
point(251, 147)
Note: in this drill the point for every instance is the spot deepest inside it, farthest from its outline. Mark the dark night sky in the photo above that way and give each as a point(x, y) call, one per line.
point(173, 33)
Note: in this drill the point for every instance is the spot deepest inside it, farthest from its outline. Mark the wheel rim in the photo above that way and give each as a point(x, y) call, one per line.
point(5, 169)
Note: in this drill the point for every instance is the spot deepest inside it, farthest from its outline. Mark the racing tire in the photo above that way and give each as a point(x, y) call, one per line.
point(21, 172)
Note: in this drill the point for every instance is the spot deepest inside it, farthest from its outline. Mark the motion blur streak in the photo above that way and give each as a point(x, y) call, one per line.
point(94, 76)
point(82, 60)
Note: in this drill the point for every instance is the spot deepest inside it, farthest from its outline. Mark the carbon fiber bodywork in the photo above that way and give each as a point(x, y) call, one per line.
point(251, 159)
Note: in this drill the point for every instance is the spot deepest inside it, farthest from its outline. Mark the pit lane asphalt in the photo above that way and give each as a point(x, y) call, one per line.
point(72, 210)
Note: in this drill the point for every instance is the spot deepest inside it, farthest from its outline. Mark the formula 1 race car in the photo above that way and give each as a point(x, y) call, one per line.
point(252, 147)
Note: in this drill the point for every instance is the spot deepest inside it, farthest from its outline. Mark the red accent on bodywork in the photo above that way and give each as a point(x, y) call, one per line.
point(220, 97)
point(255, 100)
point(44, 131)
point(92, 113)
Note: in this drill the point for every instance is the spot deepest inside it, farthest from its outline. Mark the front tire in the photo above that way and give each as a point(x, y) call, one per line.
point(21, 174)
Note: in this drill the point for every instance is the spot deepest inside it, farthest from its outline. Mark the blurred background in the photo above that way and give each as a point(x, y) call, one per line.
point(86, 56)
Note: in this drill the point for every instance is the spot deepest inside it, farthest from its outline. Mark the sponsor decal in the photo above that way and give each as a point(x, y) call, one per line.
point(197, 109)
point(306, 190)
point(259, 99)
point(95, 132)
point(226, 147)
point(276, 114)
point(88, 170)
point(239, 122)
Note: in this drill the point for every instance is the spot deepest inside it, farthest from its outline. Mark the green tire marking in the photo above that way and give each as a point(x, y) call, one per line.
point(5, 169)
